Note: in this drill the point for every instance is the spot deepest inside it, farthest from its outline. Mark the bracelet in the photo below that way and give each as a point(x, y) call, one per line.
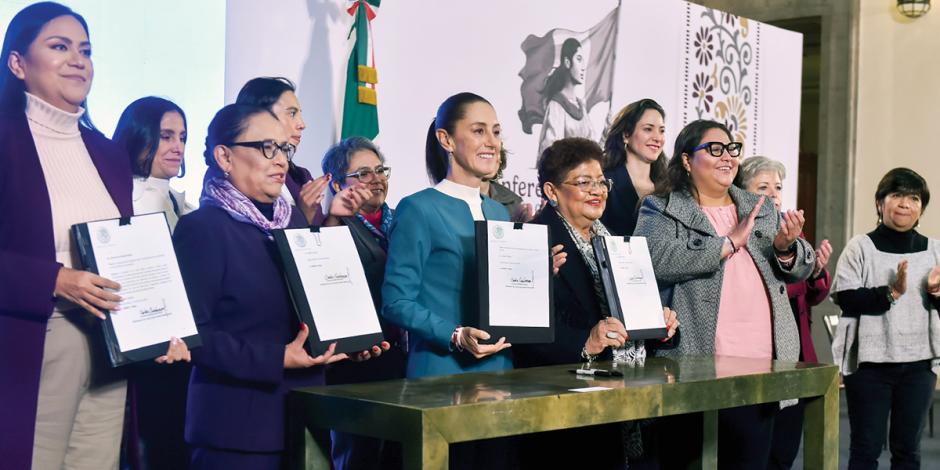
point(734, 249)
point(455, 338)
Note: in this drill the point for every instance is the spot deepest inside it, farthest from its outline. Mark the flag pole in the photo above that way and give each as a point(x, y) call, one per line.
point(610, 105)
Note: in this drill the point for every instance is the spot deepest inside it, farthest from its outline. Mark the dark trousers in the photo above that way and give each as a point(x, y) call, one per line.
point(354, 452)
point(500, 453)
point(207, 458)
point(788, 432)
point(596, 447)
point(744, 437)
point(161, 413)
point(902, 390)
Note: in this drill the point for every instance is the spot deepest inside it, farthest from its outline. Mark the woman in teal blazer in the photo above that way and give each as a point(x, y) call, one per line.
point(430, 284)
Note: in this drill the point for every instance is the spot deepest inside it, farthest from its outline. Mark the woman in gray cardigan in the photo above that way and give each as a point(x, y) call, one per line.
point(727, 257)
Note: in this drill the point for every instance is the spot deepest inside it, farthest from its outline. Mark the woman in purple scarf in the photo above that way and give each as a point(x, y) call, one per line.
point(252, 352)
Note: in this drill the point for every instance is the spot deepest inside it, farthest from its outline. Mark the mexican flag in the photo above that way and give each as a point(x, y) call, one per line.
point(360, 115)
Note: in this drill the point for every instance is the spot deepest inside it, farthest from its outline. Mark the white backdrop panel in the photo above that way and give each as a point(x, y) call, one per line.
point(426, 51)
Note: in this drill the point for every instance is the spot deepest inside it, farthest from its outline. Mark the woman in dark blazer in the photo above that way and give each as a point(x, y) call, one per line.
point(236, 408)
point(635, 162)
point(572, 181)
point(56, 170)
point(351, 162)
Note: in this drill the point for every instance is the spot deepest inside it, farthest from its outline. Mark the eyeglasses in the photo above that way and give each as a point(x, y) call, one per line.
point(268, 147)
point(586, 186)
point(715, 149)
point(367, 174)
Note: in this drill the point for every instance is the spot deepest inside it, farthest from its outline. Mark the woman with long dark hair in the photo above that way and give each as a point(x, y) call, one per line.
point(727, 256)
point(63, 406)
point(635, 162)
point(153, 132)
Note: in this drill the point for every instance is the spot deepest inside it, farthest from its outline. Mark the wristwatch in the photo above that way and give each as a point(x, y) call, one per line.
point(891, 299)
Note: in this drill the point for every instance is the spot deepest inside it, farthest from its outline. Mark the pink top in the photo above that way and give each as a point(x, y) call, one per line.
point(744, 312)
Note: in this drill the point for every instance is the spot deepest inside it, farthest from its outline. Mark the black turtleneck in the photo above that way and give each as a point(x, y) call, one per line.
point(874, 300)
point(266, 209)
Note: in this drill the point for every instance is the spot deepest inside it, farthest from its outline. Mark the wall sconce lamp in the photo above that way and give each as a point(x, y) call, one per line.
point(913, 8)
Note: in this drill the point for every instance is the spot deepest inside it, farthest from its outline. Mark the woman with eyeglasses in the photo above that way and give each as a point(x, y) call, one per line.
point(635, 163)
point(301, 189)
point(727, 257)
point(762, 175)
point(252, 349)
point(354, 161)
point(573, 183)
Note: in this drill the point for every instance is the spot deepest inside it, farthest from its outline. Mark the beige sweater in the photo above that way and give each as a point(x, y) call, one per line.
point(76, 192)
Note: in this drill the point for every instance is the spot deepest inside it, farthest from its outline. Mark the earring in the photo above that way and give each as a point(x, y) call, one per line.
point(226, 174)
point(553, 203)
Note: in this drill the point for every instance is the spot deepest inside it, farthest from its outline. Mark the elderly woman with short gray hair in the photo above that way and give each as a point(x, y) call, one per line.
point(354, 161)
point(762, 175)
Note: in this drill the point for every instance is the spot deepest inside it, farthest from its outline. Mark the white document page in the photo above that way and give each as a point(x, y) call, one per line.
point(334, 282)
point(518, 274)
point(633, 274)
point(139, 256)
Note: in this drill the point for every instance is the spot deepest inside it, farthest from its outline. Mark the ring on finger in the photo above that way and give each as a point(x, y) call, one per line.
point(612, 335)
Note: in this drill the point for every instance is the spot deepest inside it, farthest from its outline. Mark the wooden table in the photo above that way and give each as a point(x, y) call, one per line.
point(426, 415)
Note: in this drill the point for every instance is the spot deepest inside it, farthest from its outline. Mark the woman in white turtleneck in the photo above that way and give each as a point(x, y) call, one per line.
point(61, 404)
point(153, 132)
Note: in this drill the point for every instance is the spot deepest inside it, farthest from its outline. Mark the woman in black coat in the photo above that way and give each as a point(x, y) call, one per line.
point(572, 180)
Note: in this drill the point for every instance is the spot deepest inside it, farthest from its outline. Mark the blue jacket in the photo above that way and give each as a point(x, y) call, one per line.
point(431, 281)
point(238, 389)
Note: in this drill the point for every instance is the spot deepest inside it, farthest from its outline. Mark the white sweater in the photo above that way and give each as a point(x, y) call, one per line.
point(76, 192)
point(153, 195)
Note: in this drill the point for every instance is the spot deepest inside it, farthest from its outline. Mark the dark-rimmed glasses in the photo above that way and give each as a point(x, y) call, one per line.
point(268, 147)
point(368, 174)
point(586, 185)
point(715, 149)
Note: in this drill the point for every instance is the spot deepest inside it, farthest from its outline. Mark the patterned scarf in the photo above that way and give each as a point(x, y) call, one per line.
point(219, 192)
point(633, 353)
point(381, 233)
point(587, 252)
